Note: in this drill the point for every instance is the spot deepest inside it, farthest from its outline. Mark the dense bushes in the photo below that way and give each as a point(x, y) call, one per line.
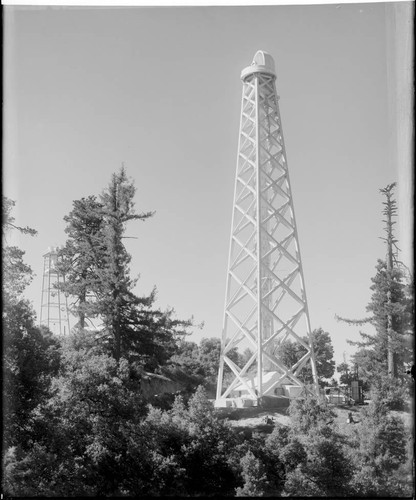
point(94, 434)
point(381, 455)
point(88, 430)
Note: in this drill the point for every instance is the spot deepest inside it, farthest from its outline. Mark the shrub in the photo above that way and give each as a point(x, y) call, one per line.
point(309, 413)
point(393, 393)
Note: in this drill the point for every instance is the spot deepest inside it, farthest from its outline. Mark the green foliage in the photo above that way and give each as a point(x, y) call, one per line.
point(284, 442)
point(8, 219)
point(328, 464)
point(82, 256)
point(325, 472)
point(309, 413)
point(279, 437)
point(30, 354)
point(151, 336)
point(391, 308)
point(313, 454)
point(187, 359)
point(347, 375)
point(201, 362)
point(31, 358)
point(186, 367)
point(254, 477)
point(197, 443)
point(388, 301)
point(95, 261)
point(392, 394)
point(96, 265)
point(290, 353)
point(93, 438)
point(82, 431)
point(209, 356)
point(299, 484)
point(391, 304)
point(258, 466)
point(380, 453)
point(324, 353)
point(116, 305)
point(74, 413)
point(17, 275)
point(293, 454)
point(35, 473)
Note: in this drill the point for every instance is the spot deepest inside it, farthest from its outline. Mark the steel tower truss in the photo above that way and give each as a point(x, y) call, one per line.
point(265, 301)
point(54, 311)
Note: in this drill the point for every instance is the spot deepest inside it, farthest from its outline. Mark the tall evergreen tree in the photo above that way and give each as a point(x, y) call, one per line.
point(390, 308)
point(96, 267)
point(117, 300)
point(390, 211)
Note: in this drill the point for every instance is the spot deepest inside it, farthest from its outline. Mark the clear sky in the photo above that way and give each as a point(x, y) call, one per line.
point(159, 89)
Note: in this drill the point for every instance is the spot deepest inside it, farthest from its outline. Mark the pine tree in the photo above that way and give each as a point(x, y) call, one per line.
point(117, 300)
point(17, 275)
point(96, 267)
point(388, 310)
point(82, 256)
point(380, 453)
point(386, 351)
point(95, 261)
point(389, 212)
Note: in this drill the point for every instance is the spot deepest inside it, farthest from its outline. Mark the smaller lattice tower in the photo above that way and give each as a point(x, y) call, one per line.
point(54, 312)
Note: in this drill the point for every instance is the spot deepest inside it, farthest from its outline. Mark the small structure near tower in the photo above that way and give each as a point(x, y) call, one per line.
point(54, 313)
point(265, 302)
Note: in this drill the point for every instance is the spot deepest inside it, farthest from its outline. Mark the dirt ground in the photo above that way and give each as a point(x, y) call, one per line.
point(253, 420)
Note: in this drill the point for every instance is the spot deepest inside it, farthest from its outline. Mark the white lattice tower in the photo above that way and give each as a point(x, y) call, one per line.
point(54, 313)
point(265, 301)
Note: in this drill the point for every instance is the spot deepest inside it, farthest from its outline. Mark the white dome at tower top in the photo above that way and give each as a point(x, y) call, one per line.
point(263, 58)
point(262, 63)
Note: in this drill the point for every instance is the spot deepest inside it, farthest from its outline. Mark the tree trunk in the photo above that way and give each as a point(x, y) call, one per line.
point(82, 301)
point(391, 358)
